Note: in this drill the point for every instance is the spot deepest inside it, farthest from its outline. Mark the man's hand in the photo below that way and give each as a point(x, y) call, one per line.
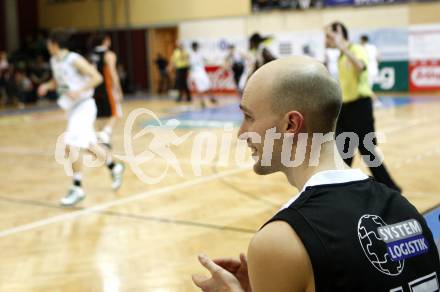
point(238, 268)
point(42, 90)
point(221, 279)
point(74, 95)
point(336, 39)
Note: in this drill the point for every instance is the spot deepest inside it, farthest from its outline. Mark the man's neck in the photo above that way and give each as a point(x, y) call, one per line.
point(329, 159)
point(61, 54)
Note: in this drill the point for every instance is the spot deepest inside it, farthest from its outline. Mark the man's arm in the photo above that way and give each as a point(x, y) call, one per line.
point(337, 40)
point(50, 85)
point(357, 62)
point(278, 261)
point(85, 68)
point(173, 62)
point(111, 60)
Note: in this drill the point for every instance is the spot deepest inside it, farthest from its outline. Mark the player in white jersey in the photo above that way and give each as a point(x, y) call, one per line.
point(373, 60)
point(331, 62)
point(75, 79)
point(198, 76)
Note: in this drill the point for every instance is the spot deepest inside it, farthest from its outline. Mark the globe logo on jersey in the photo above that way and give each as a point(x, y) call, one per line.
point(375, 248)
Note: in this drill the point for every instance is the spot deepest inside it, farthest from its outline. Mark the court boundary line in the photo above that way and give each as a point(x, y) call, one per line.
point(37, 152)
point(387, 130)
point(155, 219)
point(119, 202)
point(53, 107)
point(139, 196)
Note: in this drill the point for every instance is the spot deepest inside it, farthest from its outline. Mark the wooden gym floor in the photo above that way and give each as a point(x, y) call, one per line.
point(146, 237)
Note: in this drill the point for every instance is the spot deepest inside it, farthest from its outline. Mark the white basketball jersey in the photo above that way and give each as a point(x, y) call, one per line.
point(68, 78)
point(373, 66)
point(196, 61)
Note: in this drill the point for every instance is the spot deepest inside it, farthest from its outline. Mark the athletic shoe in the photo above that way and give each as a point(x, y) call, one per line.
point(74, 196)
point(117, 174)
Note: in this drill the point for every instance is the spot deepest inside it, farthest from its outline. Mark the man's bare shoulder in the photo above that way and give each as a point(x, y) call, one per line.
point(278, 260)
point(110, 56)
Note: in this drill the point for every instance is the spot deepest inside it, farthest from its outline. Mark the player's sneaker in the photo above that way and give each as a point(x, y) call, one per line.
point(104, 138)
point(117, 174)
point(73, 197)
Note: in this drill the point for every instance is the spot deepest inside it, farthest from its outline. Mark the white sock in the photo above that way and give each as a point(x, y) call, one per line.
point(109, 161)
point(77, 175)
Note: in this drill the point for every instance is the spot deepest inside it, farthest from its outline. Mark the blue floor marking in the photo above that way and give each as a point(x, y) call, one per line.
point(433, 220)
point(217, 117)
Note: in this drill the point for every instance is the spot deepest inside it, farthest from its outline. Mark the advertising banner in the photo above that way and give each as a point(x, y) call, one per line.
point(222, 81)
point(424, 58)
point(338, 2)
point(424, 42)
point(424, 75)
point(393, 76)
point(375, 2)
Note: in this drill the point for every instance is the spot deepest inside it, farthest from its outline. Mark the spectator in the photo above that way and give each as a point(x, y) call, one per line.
point(4, 68)
point(257, 56)
point(39, 72)
point(24, 88)
point(10, 87)
point(258, 48)
point(122, 73)
point(164, 78)
point(235, 64)
point(180, 61)
point(40, 46)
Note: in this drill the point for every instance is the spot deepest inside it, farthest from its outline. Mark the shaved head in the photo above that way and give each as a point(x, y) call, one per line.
point(299, 84)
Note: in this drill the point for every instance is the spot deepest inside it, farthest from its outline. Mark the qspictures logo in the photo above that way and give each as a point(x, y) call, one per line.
point(207, 148)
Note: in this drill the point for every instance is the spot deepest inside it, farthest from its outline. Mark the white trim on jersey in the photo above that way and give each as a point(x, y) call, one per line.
point(337, 176)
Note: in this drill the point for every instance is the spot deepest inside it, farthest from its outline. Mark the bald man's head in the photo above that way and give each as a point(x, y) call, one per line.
point(299, 84)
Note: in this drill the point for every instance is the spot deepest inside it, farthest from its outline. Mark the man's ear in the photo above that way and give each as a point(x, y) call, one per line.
point(294, 122)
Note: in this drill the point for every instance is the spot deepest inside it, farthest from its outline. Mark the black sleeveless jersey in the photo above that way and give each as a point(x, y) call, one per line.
point(104, 96)
point(364, 236)
point(97, 59)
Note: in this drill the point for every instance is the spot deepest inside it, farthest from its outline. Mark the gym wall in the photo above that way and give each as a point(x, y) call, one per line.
point(87, 14)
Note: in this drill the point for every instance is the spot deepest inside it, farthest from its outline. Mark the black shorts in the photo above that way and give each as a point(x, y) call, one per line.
point(106, 103)
point(357, 117)
point(182, 78)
